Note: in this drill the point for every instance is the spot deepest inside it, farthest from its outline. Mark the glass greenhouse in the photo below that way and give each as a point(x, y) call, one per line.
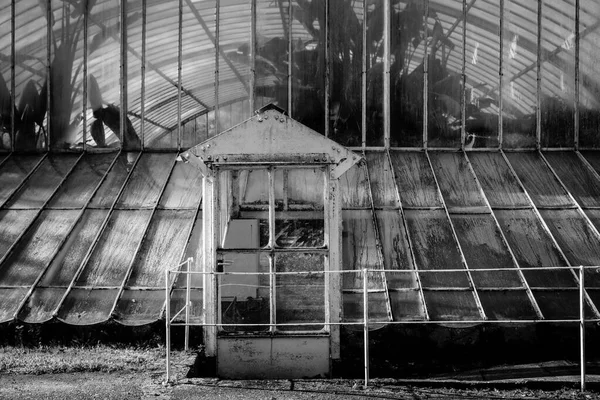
point(441, 154)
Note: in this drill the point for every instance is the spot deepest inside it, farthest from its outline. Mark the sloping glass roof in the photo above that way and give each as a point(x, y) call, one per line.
point(456, 235)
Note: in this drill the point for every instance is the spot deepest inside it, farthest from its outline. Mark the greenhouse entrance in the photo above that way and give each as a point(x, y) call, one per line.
point(271, 247)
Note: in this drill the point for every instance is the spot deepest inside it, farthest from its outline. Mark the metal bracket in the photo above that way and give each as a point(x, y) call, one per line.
point(188, 157)
point(344, 166)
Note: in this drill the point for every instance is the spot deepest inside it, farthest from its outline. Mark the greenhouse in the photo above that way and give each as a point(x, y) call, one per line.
point(285, 173)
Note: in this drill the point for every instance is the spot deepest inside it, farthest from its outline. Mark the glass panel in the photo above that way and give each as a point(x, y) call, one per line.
point(244, 298)
point(482, 69)
point(43, 182)
point(161, 248)
point(10, 299)
point(483, 247)
point(353, 307)
point(114, 252)
point(234, 63)
point(456, 180)
point(271, 67)
point(415, 180)
point(538, 180)
point(36, 249)
point(87, 307)
point(577, 177)
point(66, 74)
point(41, 305)
point(444, 82)
point(346, 20)
point(497, 181)
point(308, 64)
point(396, 250)
point(300, 298)
point(407, 305)
point(104, 60)
point(407, 50)
point(198, 65)
point(576, 239)
point(354, 188)
point(178, 302)
point(66, 263)
point(558, 304)
point(435, 249)
point(382, 182)
point(184, 189)
point(5, 77)
point(558, 73)
point(111, 186)
point(141, 307)
point(144, 187)
point(589, 69)
point(299, 232)
point(305, 188)
point(506, 305)
point(519, 67)
point(31, 95)
point(82, 182)
point(13, 172)
point(533, 247)
point(451, 305)
point(134, 68)
point(162, 40)
point(12, 224)
point(193, 249)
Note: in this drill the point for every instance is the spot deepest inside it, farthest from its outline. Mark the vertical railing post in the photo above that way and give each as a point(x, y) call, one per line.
point(582, 326)
point(187, 304)
point(168, 325)
point(366, 324)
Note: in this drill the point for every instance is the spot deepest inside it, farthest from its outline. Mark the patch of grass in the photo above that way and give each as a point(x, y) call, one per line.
point(55, 359)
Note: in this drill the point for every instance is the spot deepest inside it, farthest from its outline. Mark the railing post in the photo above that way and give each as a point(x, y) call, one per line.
point(168, 325)
point(187, 304)
point(366, 324)
point(582, 326)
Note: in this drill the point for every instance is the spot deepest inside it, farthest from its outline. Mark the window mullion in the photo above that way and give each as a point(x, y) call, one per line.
point(271, 246)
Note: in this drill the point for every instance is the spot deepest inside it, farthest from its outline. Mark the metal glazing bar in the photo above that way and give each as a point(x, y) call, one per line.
point(501, 77)
point(545, 226)
point(363, 79)
point(13, 29)
point(271, 245)
point(145, 119)
point(139, 246)
point(455, 236)
point(49, 36)
point(89, 252)
point(463, 94)
point(85, 73)
point(65, 239)
point(325, 32)
point(538, 66)
point(327, 219)
point(253, 51)
point(408, 237)
point(366, 326)
point(290, 60)
point(143, 77)
point(577, 78)
point(179, 68)
point(217, 50)
point(387, 13)
point(123, 75)
point(168, 325)
point(582, 327)
point(188, 304)
point(425, 76)
point(454, 25)
point(530, 295)
point(378, 245)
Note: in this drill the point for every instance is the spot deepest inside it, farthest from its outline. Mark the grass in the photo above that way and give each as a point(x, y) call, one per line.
point(55, 359)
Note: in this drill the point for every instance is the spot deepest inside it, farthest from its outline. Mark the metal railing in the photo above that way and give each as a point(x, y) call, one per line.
point(365, 323)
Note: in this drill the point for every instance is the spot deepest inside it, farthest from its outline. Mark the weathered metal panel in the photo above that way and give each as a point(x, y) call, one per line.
point(497, 180)
point(354, 188)
point(395, 249)
point(12, 225)
point(435, 249)
point(533, 247)
point(80, 184)
point(383, 187)
point(162, 247)
point(415, 180)
point(184, 189)
point(13, 172)
point(540, 183)
point(147, 180)
point(40, 305)
point(111, 186)
point(456, 180)
point(273, 358)
point(576, 176)
point(576, 239)
point(115, 250)
point(43, 182)
point(71, 255)
point(483, 247)
point(87, 306)
point(36, 248)
point(9, 301)
point(507, 305)
point(451, 305)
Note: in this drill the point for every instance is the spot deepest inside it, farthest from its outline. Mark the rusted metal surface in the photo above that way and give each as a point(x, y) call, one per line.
point(415, 179)
point(582, 183)
point(497, 181)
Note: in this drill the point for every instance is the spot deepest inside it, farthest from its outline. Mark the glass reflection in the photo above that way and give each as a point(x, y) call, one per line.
point(589, 78)
point(5, 77)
